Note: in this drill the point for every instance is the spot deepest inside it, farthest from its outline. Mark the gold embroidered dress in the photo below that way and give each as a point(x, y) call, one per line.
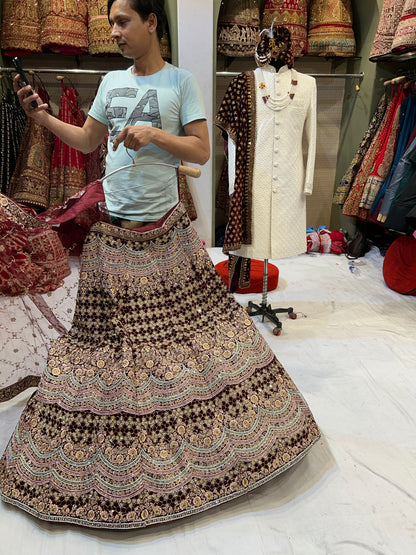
point(330, 31)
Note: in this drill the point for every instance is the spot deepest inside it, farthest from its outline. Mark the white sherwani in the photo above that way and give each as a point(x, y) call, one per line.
point(284, 160)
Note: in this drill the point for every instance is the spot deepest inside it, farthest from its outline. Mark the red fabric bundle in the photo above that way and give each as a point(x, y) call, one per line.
point(256, 276)
point(399, 266)
point(325, 241)
point(32, 258)
point(75, 216)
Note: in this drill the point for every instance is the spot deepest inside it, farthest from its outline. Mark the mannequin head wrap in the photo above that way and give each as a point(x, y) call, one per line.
point(276, 43)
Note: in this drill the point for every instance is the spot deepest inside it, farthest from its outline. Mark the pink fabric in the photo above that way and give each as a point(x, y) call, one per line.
point(325, 241)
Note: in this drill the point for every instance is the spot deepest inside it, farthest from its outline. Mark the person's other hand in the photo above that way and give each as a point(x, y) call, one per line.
point(134, 137)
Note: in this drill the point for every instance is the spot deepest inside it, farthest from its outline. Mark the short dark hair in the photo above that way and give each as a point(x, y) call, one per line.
point(144, 8)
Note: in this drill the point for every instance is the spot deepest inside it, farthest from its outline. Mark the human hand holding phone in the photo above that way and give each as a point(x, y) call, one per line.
point(23, 80)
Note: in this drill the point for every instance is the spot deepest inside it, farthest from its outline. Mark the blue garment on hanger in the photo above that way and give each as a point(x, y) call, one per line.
point(404, 171)
point(407, 122)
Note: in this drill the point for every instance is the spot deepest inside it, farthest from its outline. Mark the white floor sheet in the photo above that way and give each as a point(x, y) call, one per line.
point(352, 353)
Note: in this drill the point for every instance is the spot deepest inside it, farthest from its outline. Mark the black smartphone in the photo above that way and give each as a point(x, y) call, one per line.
point(23, 79)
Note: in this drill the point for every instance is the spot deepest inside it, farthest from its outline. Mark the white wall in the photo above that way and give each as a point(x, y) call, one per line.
point(195, 52)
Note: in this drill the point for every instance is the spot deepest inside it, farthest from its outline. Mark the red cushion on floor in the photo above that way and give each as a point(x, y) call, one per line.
point(399, 266)
point(256, 276)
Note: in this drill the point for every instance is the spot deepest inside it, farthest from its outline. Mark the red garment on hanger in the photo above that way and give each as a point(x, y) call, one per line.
point(351, 205)
point(30, 183)
point(68, 166)
point(383, 161)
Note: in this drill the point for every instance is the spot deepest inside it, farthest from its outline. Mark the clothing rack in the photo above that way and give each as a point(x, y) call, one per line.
point(54, 70)
point(395, 80)
point(329, 75)
point(218, 73)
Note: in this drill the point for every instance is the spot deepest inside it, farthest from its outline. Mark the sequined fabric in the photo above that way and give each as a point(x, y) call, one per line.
point(238, 27)
point(347, 180)
point(32, 258)
point(165, 48)
point(389, 20)
point(64, 26)
point(99, 29)
point(330, 31)
point(405, 35)
point(20, 29)
point(163, 399)
point(30, 183)
point(237, 120)
point(12, 125)
point(382, 165)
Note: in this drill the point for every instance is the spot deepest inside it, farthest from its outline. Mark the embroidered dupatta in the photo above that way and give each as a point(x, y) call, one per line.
point(237, 119)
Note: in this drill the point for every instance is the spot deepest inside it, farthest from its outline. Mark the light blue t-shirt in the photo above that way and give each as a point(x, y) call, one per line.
point(168, 99)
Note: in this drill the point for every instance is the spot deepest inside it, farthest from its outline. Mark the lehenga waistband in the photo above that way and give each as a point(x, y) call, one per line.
point(146, 232)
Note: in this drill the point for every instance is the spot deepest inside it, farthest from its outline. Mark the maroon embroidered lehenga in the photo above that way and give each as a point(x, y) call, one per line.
point(162, 400)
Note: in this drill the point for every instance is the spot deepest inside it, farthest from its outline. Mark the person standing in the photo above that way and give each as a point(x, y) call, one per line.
point(152, 108)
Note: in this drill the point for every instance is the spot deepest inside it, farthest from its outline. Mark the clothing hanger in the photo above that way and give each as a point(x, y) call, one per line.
point(62, 78)
point(180, 168)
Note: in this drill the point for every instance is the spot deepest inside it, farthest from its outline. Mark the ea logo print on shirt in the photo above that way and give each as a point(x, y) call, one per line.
point(145, 112)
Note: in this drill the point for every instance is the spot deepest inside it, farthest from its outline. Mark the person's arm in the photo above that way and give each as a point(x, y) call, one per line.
point(86, 138)
point(193, 148)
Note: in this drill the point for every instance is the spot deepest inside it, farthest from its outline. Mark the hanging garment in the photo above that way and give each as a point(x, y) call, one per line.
point(330, 28)
point(68, 173)
point(20, 29)
point(351, 204)
point(383, 161)
point(293, 15)
point(406, 125)
point(404, 200)
point(405, 37)
point(404, 171)
point(389, 20)
point(12, 126)
point(99, 29)
point(411, 220)
point(64, 26)
point(236, 120)
point(95, 160)
point(32, 258)
point(347, 180)
point(30, 183)
point(165, 49)
point(238, 27)
point(163, 400)
point(268, 175)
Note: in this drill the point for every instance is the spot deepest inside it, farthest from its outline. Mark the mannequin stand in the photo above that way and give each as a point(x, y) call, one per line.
point(266, 310)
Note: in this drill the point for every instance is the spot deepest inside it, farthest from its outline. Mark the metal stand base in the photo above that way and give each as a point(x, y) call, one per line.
point(266, 311)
